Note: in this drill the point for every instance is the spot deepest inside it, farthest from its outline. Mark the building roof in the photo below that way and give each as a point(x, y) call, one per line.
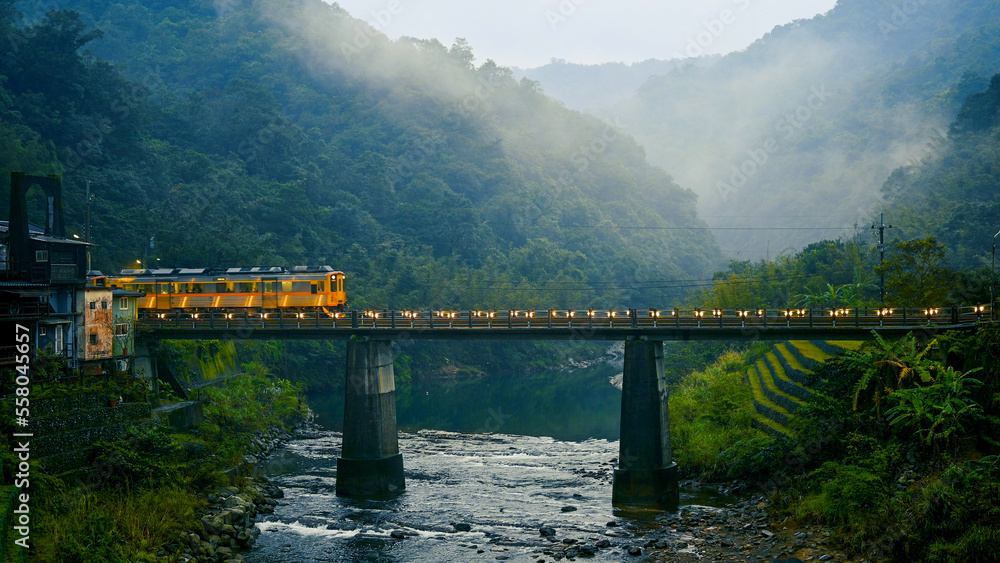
point(38, 234)
point(127, 293)
point(16, 284)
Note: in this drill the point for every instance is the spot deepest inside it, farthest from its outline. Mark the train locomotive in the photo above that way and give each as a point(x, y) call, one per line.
point(260, 289)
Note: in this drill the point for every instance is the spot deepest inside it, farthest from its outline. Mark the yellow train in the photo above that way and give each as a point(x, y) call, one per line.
point(302, 288)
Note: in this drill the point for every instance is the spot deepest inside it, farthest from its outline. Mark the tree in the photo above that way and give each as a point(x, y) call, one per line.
point(915, 273)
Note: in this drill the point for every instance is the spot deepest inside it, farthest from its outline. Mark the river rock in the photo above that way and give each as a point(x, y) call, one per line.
point(547, 531)
point(635, 550)
point(603, 544)
point(588, 551)
point(398, 534)
point(568, 509)
point(462, 527)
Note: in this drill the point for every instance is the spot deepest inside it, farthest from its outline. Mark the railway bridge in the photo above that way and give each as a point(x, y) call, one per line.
point(371, 466)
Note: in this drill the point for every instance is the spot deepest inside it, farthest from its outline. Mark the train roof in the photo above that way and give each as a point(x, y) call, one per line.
point(250, 272)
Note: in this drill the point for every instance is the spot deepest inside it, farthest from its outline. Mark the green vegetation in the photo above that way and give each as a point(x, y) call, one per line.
point(101, 513)
point(710, 418)
point(895, 452)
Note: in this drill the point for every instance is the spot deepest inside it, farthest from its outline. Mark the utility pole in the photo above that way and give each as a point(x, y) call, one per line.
point(881, 248)
point(993, 278)
point(86, 227)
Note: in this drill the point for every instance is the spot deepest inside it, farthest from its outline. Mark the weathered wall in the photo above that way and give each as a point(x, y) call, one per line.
point(66, 428)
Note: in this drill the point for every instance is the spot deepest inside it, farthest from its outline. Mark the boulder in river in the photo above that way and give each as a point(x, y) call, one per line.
point(547, 531)
point(462, 527)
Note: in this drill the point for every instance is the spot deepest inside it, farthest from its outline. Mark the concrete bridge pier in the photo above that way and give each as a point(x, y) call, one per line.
point(370, 465)
point(646, 476)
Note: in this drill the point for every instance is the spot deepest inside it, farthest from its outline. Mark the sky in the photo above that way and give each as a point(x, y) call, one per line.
point(530, 33)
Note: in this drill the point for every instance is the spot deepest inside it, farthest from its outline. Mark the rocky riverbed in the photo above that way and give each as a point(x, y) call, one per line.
point(740, 532)
point(228, 525)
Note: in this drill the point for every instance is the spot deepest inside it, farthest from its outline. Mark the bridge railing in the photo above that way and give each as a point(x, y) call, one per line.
point(571, 319)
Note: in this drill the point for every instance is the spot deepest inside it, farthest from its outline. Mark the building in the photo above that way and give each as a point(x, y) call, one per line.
point(45, 285)
point(124, 314)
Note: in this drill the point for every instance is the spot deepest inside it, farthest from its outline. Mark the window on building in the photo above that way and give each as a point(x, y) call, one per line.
point(121, 329)
point(93, 304)
point(93, 339)
point(43, 331)
point(104, 304)
point(41, 256)
point(123, 303)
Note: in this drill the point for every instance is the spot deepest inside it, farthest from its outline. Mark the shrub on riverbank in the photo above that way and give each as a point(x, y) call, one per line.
point(710, 415)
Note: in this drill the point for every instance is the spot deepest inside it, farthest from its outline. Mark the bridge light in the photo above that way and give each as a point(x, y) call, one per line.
point(611, 314)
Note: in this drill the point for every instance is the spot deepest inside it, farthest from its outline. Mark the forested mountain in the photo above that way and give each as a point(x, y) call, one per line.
point(262, 132)
point(956, 198)
point(803, 127)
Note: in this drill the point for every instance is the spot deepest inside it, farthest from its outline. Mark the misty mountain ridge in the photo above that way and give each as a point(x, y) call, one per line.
point(589, 87)
point(802, 128)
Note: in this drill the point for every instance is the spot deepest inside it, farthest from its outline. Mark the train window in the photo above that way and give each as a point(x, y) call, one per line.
point(322, 286)
point(340, 284)
point(181, 288)
point(313, 289)
point(286, 287)
point(207, 287)
point(146, 288)
point(300, 287)
point(163, 288)
point(268, 287)
point(247, 287)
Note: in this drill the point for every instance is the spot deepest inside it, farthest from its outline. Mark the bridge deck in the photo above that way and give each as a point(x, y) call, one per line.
point(826, 324)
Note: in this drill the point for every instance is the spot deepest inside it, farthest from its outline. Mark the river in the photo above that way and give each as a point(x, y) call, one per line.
point(475, 453)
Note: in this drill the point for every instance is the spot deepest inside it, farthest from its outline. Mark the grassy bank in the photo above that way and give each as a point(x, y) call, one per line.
point(139, 495)
point(710, 415)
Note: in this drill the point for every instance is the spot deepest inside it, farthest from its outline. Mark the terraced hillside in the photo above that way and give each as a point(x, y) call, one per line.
point(779, 380)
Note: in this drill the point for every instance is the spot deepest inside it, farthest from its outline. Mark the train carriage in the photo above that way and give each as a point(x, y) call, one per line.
point(303, 288)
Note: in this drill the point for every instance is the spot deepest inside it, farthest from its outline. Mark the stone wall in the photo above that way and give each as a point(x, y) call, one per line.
point(66, 428)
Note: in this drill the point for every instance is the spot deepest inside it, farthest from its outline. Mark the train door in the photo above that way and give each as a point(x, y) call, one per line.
point(163, 295)
point(269, 293)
